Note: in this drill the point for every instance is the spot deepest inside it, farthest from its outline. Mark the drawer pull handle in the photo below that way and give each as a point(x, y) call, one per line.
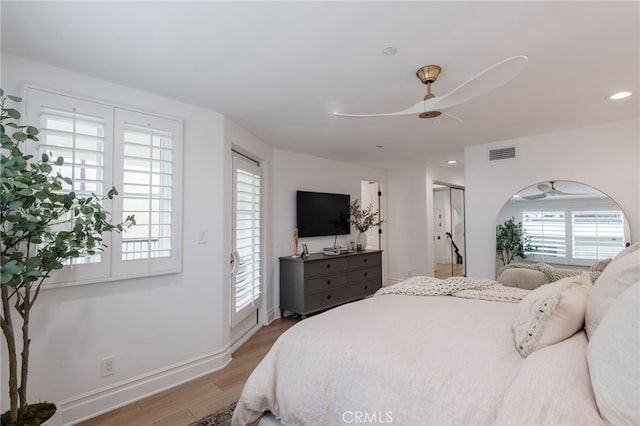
point(365, 260)
point(365, 274)
point(366, 287)
point(328, 297)
point(328, 265)
point(328, 282)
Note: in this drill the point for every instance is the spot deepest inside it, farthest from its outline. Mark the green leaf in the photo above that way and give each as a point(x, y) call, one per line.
point(32, 131)
point(12, 267)
point(13, 113)
point(45, 157)
point(13, 98)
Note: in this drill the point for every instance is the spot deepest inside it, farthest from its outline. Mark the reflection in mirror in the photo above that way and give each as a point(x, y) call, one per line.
point(568, 224)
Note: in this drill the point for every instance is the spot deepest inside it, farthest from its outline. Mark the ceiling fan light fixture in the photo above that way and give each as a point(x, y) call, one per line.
point(619, 95)
point(429, 114)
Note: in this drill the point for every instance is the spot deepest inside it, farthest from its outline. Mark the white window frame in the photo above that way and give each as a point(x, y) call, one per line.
point(111, 266)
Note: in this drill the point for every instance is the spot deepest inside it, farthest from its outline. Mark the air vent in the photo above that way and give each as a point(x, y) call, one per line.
point(502, 153)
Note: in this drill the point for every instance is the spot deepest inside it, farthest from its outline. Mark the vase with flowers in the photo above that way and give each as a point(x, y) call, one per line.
point(363, 219)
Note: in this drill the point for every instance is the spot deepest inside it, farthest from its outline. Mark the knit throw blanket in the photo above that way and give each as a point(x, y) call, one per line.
point(456, 286)
point(553, 274)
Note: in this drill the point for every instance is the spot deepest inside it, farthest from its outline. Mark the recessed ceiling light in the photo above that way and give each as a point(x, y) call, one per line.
point(389, 51)
point(620, 95)
point(451, 162)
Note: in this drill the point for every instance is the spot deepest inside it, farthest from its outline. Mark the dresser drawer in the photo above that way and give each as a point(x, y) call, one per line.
point(364, 289)
point(369, 274)
point(328, 299)
point(325, 267)
point(365, 261)
point(328, 282)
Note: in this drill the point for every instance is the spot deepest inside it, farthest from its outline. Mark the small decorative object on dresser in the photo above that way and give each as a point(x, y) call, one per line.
point(363, 219)
point(319, 282)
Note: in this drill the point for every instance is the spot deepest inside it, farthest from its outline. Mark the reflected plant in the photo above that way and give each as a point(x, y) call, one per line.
point(511, 241)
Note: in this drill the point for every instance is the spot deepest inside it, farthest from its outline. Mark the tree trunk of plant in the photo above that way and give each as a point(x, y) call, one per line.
point(25, 311)
point(7, 330)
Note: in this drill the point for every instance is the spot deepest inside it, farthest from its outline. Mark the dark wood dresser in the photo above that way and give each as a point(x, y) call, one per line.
point(319, 282)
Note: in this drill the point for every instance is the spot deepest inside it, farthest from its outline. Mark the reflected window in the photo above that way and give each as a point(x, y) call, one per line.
point(568, 223)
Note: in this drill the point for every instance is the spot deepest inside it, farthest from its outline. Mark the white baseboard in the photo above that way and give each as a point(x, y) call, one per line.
point(391, 281)
point(253, 330)
point(94, 403)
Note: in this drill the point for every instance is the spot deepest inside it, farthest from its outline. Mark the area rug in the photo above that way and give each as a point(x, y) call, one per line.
point(222, 417)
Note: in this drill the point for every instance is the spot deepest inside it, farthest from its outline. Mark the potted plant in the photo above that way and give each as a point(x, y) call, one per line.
point(363, 219)
point(511, 242)
point(44, 224)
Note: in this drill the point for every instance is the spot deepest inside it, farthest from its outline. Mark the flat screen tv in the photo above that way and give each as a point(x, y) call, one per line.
point(320, 214)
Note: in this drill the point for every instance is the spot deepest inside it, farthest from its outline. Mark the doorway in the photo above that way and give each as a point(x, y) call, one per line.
point(246, 244)
point(449, 231)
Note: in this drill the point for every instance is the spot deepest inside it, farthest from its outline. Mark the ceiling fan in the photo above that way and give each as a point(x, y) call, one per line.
point(432, 106)
point(548, 190)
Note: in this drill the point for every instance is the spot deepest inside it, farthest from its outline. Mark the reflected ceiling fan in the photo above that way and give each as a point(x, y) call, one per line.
point(432, 106)
point(549, 190)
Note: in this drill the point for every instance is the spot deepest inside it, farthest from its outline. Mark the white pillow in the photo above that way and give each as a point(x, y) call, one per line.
point(620, 274)
point(551, 313)
point(614, 360)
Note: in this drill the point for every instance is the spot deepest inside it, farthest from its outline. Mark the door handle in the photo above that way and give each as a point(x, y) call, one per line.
point(235, 257)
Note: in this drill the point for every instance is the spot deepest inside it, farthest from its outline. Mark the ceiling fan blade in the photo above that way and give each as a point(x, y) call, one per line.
point(544, 187)
point(414, 109)
point(447, 121)
point(558, 192)
point(487, 80)
point(535, 197)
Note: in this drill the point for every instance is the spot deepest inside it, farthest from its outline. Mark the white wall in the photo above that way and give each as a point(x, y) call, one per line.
point(162, 330)
point(293, 172)
point(606, 157)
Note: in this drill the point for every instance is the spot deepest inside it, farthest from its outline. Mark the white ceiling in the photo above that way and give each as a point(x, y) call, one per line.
point(280, 69)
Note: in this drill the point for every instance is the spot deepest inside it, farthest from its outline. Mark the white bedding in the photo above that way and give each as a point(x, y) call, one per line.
point(411, 360)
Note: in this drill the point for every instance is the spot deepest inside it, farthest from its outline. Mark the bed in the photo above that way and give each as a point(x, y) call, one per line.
point(408, 359)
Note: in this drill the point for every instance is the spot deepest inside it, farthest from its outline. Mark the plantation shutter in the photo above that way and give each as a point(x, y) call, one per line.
point(547, 230)
point(147, 176)
point(597, 234)
point(77, 131)
point(247, 243)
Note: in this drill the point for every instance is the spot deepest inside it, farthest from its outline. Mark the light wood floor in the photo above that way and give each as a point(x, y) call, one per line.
point(191, 401)
point(443, 270)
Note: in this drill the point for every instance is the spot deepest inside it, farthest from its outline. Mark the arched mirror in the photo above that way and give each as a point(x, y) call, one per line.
point(561, 223)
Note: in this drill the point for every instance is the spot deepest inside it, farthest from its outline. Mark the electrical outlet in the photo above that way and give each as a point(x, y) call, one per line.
point(109, 366)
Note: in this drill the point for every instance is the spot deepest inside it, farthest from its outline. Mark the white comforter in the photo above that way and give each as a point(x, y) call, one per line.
point(411, 360)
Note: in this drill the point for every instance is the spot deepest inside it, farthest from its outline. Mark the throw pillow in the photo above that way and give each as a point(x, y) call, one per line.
point(614, 360)
point(551, 313)
point(522, 278)
point(620, 274)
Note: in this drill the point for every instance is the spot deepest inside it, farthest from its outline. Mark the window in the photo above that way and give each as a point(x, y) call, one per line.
point(574, 236)
point(104, 146)
point(547, 232)
point(597, 234)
